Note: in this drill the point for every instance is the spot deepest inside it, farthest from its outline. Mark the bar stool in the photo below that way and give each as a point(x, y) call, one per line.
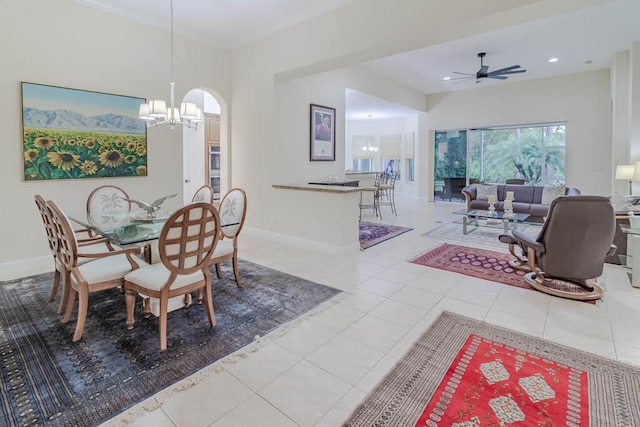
point(374, 202)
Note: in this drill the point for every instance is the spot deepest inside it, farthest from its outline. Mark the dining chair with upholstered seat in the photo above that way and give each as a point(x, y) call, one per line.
point(187, 242)
point(89, 244)
point(105, 271)
point(204, 194)
point(233, 210)
point(107, 199)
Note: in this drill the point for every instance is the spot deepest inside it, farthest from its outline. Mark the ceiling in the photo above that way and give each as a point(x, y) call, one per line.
point(582, 40)
point(224, 23)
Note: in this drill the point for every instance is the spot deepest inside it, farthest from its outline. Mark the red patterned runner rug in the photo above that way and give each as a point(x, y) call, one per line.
point(484, 264)
point(466, 373)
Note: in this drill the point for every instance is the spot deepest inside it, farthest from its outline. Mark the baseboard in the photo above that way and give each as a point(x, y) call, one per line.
point(25, 267)
point(304, 243)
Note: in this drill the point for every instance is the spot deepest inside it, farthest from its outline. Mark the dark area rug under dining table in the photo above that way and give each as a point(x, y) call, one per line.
point(47, 379)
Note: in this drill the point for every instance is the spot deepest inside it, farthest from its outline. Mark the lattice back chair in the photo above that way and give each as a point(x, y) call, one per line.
point(204, 194)
point(110, 200)
point(187, 242)
point(370, 196)
point(92, 245)
point(233, 210)
point(52, 239)
point(105, 271)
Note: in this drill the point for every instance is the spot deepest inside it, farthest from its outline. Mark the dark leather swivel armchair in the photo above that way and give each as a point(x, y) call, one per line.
point(571, 246)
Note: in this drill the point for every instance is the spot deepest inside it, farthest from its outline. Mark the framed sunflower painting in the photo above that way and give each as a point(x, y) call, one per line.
point(73, 134)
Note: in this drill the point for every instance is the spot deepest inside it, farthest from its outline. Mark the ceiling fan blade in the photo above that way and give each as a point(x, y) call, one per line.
point(504, 70)
point(463, 78)
point(497, 77)
point(508, 72)
point(460, 81)
point(464, 74)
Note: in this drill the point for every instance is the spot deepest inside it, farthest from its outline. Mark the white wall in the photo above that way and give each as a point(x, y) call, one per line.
point(582, 100)
point(63, 43)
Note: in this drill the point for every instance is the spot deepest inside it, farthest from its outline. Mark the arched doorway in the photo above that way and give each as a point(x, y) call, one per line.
point(206, 150)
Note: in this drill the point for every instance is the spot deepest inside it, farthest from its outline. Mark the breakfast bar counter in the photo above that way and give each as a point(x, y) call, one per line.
point(323, 217)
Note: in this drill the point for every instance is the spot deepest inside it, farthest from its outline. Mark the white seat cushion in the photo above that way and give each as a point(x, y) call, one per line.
point(222, 248)
point(155, 276)
point(108, 268)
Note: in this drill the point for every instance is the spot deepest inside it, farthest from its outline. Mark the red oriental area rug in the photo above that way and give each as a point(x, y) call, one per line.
point(466, 373)
point(486, 265)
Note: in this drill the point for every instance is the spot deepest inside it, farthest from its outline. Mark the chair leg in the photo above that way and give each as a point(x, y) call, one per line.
point(393, 202)
point(71, 302)
point(146, 304)
point(83, 303)
point(218, 271)
point(376, 205)
point(66, 291)
point(56, 283)
point(164, 302)
point(130, 299)
point(236, 272)
point(209, 305)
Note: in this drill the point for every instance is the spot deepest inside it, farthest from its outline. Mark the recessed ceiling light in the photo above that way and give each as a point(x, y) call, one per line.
point(553, 60)
point(447, 78)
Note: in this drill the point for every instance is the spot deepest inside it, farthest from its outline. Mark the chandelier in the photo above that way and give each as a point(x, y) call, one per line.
point(155, 112)
point(369, 147)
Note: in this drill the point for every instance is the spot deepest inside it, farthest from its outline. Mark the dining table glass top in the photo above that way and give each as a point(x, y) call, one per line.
point(124, 228)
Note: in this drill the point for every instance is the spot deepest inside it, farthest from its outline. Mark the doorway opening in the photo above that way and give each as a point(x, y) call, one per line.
point(206, 150)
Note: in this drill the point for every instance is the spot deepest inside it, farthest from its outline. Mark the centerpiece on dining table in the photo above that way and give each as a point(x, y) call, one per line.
point(152, 211)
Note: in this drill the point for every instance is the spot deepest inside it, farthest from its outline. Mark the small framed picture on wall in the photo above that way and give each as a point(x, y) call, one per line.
point(323, 133)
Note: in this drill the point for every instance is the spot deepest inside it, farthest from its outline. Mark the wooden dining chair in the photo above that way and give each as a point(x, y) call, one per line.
point(187, 241)
point(233, 210)
point(88, 244)
point(108, 199)
point(106, 269)
point(204, 194)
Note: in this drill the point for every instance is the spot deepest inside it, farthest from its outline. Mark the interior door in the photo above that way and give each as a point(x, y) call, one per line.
point(212, 152)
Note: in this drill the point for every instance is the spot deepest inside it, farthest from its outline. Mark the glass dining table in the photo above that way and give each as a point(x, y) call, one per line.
point(129, 228)
point(125, 228)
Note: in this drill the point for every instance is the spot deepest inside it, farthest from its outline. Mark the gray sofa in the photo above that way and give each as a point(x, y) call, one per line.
point(527, 199)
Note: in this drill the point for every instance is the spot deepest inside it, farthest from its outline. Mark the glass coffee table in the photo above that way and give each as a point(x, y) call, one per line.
point(479, 218)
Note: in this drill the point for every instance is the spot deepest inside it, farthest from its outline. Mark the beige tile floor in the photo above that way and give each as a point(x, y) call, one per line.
point(315, 371)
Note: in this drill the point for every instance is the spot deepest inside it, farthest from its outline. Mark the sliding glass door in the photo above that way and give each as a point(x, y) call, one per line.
point(450, 169)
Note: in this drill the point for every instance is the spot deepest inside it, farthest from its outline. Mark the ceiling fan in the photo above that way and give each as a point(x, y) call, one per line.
point(483, 72)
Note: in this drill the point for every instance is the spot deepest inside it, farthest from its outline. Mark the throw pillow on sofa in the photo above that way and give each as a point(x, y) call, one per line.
point(484, 191)
point(550, 193)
